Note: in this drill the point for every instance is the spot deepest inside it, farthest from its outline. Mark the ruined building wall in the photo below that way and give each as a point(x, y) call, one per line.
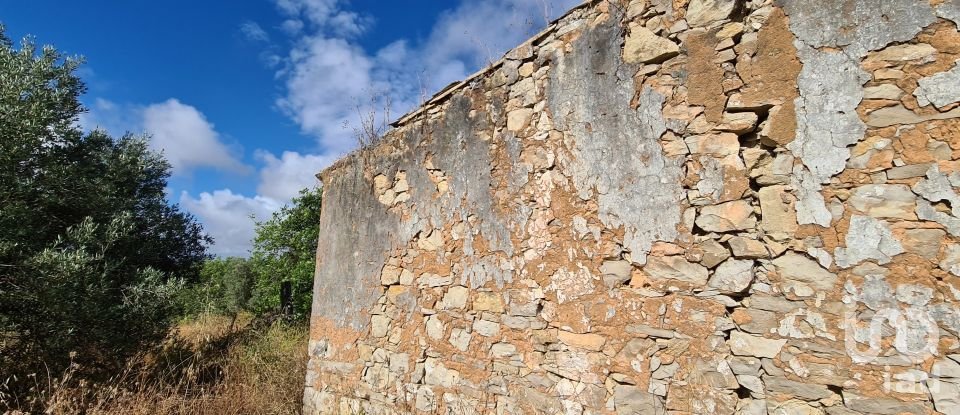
point(715, 207)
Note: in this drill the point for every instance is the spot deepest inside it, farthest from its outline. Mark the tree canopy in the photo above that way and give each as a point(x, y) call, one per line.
point(91, 250)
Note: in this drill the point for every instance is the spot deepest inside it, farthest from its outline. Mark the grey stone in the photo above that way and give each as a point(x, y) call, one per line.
point(725, 217)
point(923, 242)
point(435, 373)
point(486, 328)
point(752, 383)
point(945, 368)
point(434, 327)
point(460, 339)
point(502, 350)
point(713, 253)
point(883, 406)
point(647, 331)
point(946, 395)
point(827, 122)
point(761, 321)
point(806, 391)
point(883, 91)
point(455, 298)
point(887, 116)
point(795, 267)
point(732, 276)
point(908, 172)
point(630, 400)
point(868, 238)
point(615, 273)
point(950, 10)
point(379, 325)
point(885, 201)
point(744, 365)
point(778, 217)
point(705, 12)
point(675, 268)
point(951, 260)
point(747, 248)
point(940, 89)
point(742, 344)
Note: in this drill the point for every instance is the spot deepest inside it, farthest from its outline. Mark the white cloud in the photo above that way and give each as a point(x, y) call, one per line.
point(180, 131)
point(229, 218)
point(252, 31)
point(283, 178)
point(187, 139)
point(327, 74)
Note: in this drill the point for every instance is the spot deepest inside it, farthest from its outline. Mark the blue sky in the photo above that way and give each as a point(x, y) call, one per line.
point(248, 99)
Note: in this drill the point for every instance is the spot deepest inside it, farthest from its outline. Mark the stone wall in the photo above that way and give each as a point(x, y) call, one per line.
point(654, 206)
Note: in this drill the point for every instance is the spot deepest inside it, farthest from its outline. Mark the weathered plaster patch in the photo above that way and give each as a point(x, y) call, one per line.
point(868, 238)
point(937, 187)
point(857, 26)
point(617, 159)
point(827, 122)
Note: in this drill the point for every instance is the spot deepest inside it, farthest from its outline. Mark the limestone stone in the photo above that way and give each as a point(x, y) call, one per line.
point(488, 301)
point(717, 145)
point(486, 328)
point(887, 116)
point(726, 217)
point(587, 341)
point(616, 272)
point(732, 276)
point(882, 91)
point(756, 321)
point(908, 172)
point(878, 405)
point(713, 253)
point(903, 53)
point(744, 365)
point(379, 325)
point(747, 248)
point(675, 268)
point(738, 122)
point(434, 327)
point(460, 339)
point(795, 267)
point(885, 201)
point(923, 242)
point(390, 275)
point(743, 344)
point(436, 374)
point(502, 350)
point(940, 89)
point(643, 46)
point(631, 400)
point(807, 391)
point(455, 298)
point(434, 280)
point(946, 395)
point(518, 119)
point(705, 12)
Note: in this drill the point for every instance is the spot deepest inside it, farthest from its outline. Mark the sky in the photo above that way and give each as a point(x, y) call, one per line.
point(249, 99)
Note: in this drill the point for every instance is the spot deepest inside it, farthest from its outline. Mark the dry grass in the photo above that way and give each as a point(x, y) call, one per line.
point(203, 368)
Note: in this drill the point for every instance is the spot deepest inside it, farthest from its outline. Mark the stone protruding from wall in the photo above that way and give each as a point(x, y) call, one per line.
point(660, 206)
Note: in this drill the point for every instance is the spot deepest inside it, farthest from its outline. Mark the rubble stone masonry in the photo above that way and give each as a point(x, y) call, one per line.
point(660, 206)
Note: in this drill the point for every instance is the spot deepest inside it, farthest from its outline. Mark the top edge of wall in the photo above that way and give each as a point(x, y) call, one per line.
point(441, 96)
